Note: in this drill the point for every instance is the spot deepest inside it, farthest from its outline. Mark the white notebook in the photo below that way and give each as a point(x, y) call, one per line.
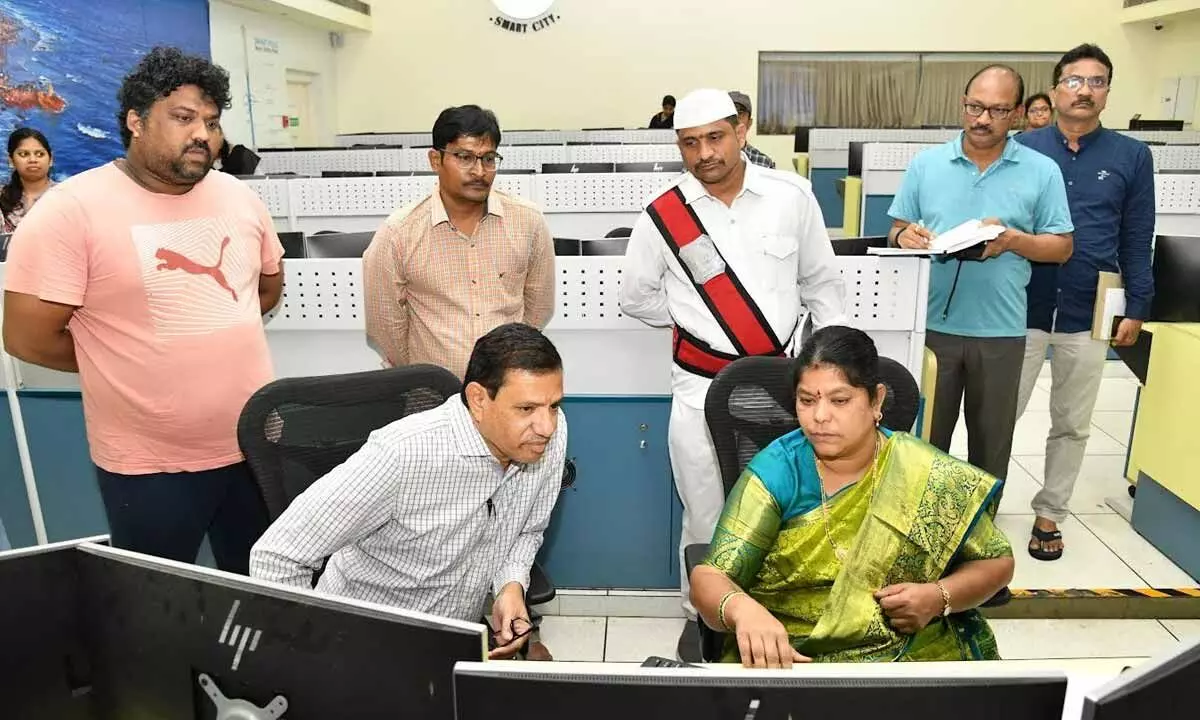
point(969, 234)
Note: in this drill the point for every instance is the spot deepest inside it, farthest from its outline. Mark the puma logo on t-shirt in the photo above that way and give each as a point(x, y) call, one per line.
point(172, 260)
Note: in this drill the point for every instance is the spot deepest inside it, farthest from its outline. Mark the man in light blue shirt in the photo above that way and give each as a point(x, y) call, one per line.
point(977, 306)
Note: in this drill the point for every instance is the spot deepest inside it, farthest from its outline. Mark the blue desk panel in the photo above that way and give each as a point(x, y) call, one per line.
point(66, 478)
point(825, 187)
point(14, 504)
point(617, 527)
point(876, 220)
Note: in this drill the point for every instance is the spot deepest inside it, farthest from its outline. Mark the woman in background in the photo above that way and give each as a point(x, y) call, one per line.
point(31, 159)
point(1038, 111)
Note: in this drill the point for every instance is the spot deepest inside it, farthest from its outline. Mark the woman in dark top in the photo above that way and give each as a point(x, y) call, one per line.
point(31, 159)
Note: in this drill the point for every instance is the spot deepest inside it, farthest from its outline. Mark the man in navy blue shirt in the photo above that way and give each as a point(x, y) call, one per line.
point(1110, 188)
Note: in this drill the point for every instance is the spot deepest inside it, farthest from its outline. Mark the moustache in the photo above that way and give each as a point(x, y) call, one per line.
point(1083, 103)
point(198, 146)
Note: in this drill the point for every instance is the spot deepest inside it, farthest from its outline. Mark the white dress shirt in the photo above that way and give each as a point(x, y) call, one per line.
point(423, 517)
point(773, 237)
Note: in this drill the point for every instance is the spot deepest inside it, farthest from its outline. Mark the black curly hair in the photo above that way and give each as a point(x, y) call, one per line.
point(161, 72)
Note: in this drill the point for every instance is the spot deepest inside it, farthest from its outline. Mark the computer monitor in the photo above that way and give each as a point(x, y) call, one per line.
point(854, 161)
point(566, 246)
point(572, 168)
point(604, 246)
point(1176, 268)
point(44, 668)
point(800, 144)
point(1159, 688)
point(165, 636)
point(669, 166)
point(337, 245)
point(293, 245)
point(1170, 125)
point(715, 693)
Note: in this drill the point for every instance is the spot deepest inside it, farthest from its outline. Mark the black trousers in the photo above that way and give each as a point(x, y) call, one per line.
point(168, 514)
point(983, 375)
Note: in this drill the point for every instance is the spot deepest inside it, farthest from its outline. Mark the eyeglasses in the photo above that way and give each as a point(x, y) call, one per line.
point(1039, 111)
point(466, 160)
point(1075, 82)
point(520, 627)
point(996, 113)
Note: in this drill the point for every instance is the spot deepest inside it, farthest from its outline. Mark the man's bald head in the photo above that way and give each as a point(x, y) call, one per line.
point(996, 70)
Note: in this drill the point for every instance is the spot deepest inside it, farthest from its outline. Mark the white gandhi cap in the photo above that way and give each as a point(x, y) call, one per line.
point(701, 107)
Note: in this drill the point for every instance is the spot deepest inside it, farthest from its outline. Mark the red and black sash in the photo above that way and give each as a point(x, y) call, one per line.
point(724, 295)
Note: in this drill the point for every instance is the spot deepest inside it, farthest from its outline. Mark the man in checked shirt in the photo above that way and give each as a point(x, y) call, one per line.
point(444, 509)
point(441, 273)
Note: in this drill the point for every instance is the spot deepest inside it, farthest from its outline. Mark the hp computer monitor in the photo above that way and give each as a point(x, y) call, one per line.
point(577, 168)
point(96, 632)
point(1162, 688)
point(1176, 269)
point(714, 693)
point(337, 245)
point(666, 166)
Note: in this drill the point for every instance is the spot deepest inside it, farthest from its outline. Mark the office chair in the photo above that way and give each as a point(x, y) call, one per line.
point(295, 430)
point(749, 405)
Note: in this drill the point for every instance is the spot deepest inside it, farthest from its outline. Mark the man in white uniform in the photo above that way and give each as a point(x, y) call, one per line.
point(727, 255)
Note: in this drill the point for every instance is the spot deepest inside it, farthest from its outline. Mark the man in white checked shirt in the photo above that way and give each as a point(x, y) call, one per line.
point(442, 510)
point(728, 255)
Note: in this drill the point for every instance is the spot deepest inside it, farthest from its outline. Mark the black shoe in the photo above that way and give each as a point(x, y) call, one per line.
point(688, 649)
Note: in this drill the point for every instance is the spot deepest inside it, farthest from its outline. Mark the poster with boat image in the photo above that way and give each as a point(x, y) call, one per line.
point(62, 62)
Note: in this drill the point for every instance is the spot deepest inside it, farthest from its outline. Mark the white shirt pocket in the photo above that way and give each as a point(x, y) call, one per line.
point(779, 261)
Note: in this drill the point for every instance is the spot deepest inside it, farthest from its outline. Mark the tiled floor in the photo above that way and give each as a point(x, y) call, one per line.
point(1103, 551)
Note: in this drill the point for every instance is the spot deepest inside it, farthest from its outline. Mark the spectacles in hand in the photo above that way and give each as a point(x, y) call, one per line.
point(1076, 82)
point(466, 160)
point(520, 627)
point(996, 113)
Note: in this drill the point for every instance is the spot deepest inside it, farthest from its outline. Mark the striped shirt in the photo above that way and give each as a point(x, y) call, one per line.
point(431, 291)
point(423, 518)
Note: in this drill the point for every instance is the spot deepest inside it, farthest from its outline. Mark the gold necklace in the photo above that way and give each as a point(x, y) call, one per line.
point(839, 553)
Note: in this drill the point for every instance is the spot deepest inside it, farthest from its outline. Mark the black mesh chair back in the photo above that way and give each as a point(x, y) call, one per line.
point(750, 404)
point(295, 430)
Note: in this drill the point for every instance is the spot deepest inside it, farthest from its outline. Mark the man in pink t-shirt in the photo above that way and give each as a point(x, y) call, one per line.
point(149, 277)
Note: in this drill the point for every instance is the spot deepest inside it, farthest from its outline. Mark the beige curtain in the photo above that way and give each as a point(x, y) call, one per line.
point(787, 96)
point(866, 93)
point(939, 99)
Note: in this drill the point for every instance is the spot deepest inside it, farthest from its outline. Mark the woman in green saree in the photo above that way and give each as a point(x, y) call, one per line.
point(845, 542)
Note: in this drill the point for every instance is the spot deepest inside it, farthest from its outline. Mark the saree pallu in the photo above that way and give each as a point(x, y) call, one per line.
point(907, 521)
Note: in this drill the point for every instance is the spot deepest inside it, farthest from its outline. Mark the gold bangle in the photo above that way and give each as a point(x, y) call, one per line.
point(945, 599)
point(721, 608)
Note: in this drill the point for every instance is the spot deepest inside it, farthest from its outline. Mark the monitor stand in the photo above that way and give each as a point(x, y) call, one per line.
point(240, 709)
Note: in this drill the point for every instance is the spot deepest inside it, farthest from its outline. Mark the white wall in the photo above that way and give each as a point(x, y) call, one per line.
point(302, 49)
point(1177, 53)
point(609, 62)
